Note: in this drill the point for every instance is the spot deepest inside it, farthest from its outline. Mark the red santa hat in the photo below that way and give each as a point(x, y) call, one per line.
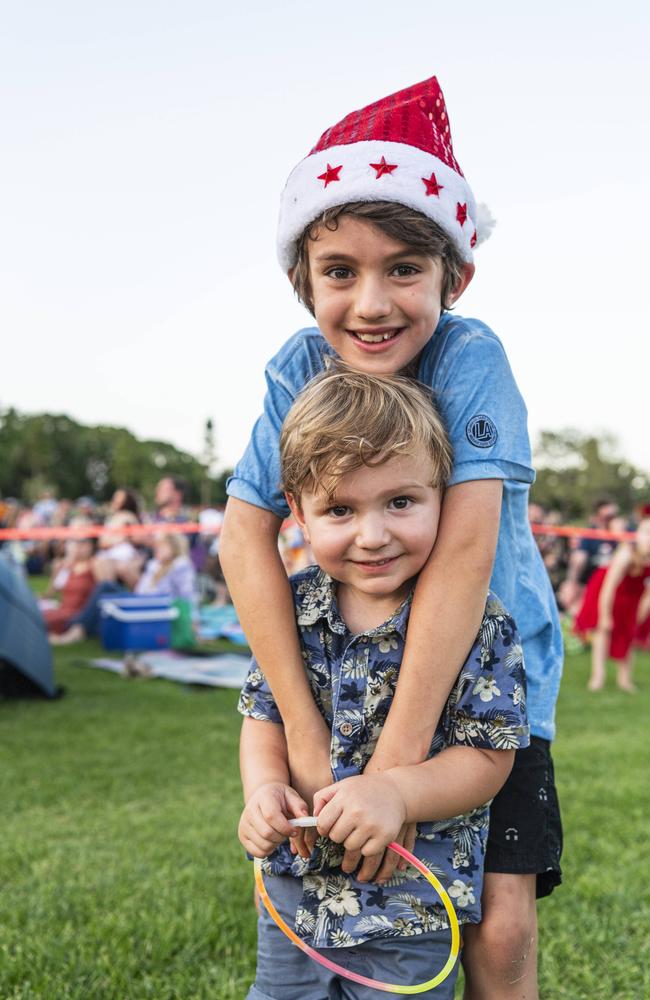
point(398, 149)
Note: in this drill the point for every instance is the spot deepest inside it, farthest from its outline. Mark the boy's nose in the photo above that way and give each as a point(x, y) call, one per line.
point(372, 532)
point(372, 300)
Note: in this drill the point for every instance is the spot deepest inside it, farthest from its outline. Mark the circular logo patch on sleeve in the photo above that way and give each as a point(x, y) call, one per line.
point(481, 431)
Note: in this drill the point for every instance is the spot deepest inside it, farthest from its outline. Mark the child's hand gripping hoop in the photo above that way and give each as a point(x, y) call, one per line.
point(354, 976)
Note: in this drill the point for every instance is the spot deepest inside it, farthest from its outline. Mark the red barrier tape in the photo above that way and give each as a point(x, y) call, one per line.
point(193, 528)
point(572, 531)
point(97, 530)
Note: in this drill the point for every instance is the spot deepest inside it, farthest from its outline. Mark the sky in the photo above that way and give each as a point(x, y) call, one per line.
point(144, 145)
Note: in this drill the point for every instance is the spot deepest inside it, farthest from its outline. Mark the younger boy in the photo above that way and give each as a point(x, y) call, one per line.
point(364, 462)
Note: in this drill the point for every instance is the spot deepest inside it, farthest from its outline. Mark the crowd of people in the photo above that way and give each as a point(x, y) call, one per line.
point(602, 584)
point(83, 570)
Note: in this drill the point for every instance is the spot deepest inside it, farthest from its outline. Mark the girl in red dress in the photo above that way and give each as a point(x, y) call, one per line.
point(615, 598)
point(77, 587)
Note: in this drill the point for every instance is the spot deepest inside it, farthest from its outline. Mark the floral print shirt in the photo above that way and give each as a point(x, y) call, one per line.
point(353, 680)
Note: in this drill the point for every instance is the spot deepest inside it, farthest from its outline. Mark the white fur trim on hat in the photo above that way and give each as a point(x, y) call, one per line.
point(306, 196)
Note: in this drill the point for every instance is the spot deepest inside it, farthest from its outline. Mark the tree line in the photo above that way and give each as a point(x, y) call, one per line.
point(575, 469)
point(53, 451)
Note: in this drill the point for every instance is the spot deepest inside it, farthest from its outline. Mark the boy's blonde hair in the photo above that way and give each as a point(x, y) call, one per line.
point(345, 419)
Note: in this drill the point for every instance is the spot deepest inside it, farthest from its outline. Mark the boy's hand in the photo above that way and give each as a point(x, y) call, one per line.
point(364, 813)
point(380, 867)
point(264, 823)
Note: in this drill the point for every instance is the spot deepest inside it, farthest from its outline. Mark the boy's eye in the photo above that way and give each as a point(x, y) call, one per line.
point(405, 270)
point(340, 273)
point(401, 503)
point(338, 511)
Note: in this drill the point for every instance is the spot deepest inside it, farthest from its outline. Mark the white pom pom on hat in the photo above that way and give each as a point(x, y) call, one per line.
point(398, 149)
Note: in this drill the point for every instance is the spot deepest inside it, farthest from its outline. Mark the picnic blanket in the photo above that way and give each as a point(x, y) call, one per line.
point(226, 670)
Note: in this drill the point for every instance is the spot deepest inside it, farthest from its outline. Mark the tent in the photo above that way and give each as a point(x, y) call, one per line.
point(25, 656)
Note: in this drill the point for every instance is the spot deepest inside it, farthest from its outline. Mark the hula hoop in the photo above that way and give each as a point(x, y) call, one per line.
point(354, 976)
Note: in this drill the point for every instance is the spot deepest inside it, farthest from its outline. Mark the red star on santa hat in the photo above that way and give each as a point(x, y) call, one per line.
point(432, 186)
point(472, 242)
point(383, 168)
point(331, 174)
point(461, 213)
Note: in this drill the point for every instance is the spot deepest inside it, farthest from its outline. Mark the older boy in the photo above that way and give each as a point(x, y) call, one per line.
point(378, 276)
point(364, 463)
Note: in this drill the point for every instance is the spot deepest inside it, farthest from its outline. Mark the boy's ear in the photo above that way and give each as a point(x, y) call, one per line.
point(296, 510)
point(466, 276)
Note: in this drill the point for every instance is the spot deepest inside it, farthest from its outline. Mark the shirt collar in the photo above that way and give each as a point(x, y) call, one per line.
point(316, 601)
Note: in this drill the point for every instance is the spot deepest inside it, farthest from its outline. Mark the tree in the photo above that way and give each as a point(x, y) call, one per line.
point(52, 450)
point(209, 460)
point(575, 469)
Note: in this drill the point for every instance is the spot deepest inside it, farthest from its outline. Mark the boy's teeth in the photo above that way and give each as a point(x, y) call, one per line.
point(374, 338)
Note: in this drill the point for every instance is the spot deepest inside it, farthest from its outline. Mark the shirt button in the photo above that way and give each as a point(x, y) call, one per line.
point(345, 728)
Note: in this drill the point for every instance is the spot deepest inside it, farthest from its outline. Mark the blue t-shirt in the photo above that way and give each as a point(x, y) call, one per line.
point(465, 365)
point(353, 680)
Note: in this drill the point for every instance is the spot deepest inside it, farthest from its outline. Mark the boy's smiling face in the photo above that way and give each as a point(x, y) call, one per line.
point(377, 302)
point(377, 533)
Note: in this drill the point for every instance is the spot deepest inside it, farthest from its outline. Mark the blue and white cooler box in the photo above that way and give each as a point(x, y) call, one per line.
point(129, 621)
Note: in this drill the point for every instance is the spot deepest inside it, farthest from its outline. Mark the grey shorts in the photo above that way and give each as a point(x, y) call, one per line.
point(284, 972)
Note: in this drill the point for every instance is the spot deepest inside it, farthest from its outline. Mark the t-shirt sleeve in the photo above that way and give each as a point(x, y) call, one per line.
point(256, 477)
point(487, 707)
point(480, 402)
point(256, 699)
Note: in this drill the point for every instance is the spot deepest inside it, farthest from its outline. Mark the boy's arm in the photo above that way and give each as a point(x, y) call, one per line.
point(448, 605)
point(262, 596)
point(367, 812)
point(262, 755)
point(269, 798)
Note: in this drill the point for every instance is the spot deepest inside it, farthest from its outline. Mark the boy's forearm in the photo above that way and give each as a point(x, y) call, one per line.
point(448, 607)
point(262, 755)
point(261, 593)
point(452, 783)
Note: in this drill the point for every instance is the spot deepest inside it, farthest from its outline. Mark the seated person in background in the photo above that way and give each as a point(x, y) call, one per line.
point(169, 574)
point(118, 559)
point(77, 582)
point(364, 464)
point(169, 500)
point(171, 570)
point(589, 555)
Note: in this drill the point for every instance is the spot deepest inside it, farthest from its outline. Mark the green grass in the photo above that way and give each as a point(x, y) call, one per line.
point(122, 876)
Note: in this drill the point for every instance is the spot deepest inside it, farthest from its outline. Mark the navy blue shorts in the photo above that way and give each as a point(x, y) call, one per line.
point(525, 824)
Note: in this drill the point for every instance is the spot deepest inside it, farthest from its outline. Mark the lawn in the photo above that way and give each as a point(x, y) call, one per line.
point(123, 877)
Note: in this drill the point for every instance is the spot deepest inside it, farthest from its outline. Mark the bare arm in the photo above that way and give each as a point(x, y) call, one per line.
point(365, 813)
point(571, 590)
point(262, 755)
point(577, 562)
point(261, 593)
point(270, 799)
point(448, 606)
point(453, 782)
point(617, 569)
point(644, 606)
